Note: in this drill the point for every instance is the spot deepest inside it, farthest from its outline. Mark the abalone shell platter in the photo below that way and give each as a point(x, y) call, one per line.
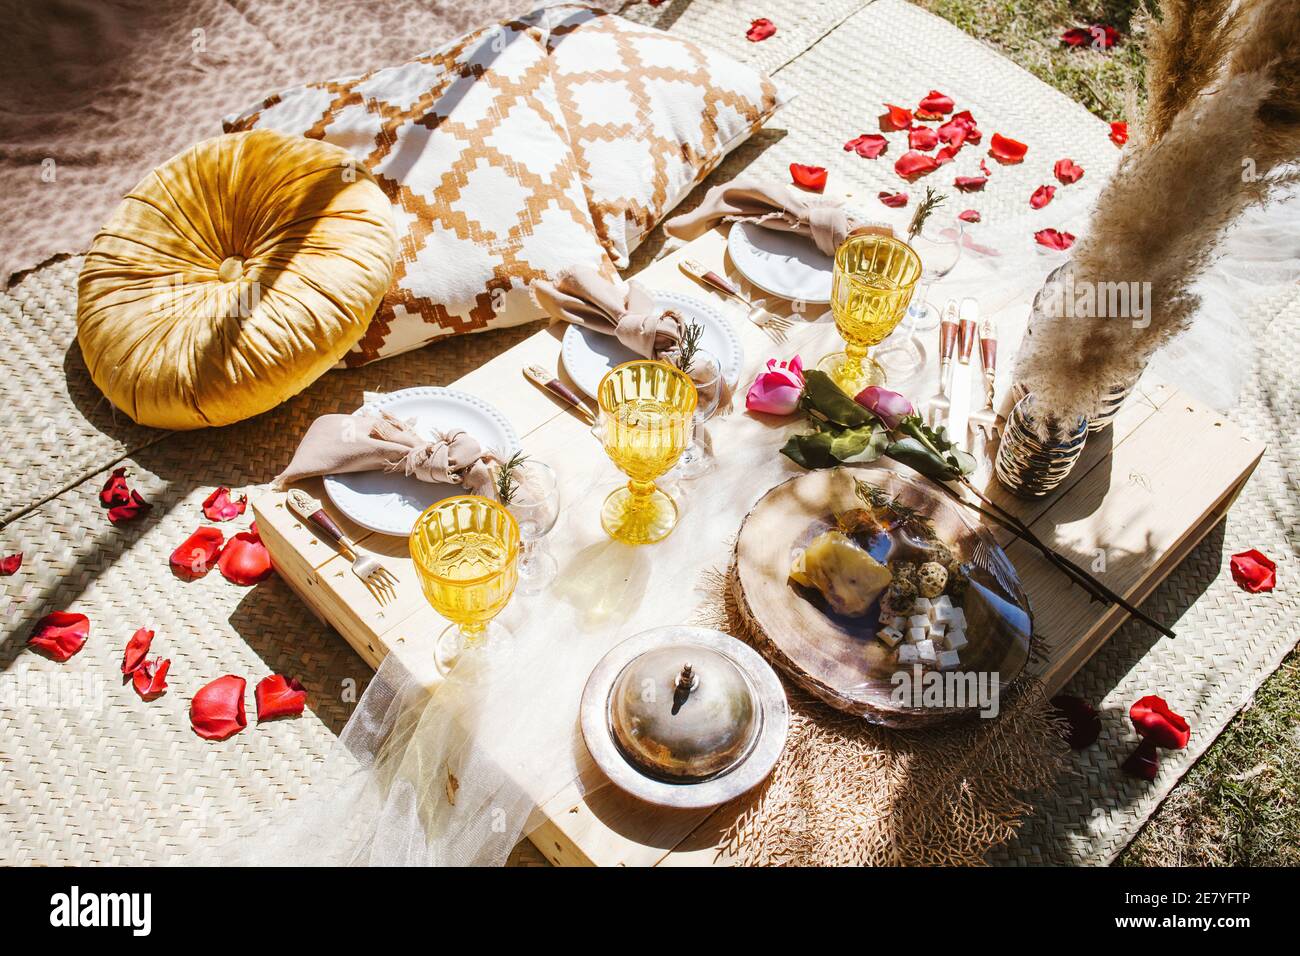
point(839, 659)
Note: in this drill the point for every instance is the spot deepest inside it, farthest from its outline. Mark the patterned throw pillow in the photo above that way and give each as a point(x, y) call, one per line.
point(470, 145)
point(649, 116)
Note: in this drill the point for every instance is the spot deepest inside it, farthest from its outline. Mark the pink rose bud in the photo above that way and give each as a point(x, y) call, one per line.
point(890, 407)
point(778, 390)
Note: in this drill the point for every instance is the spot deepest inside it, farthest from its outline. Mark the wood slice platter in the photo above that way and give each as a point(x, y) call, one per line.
point(839, 659)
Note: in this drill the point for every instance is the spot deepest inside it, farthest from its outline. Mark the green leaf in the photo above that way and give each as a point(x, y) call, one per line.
point(862, 444)
point(811, 451)
point(822, 394)
point(915, 455)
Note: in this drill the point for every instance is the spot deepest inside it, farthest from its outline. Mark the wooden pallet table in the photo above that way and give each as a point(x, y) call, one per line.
point(1140, 499)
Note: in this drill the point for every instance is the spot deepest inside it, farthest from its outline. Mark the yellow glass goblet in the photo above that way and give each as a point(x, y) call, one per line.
point(871, 286)
point(646, 412)
point(466, 553)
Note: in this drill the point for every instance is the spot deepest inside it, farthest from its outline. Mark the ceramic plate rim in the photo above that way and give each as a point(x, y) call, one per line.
point(738, 235)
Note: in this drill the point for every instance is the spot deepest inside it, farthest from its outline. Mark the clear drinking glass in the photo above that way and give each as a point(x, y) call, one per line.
point(939, 247)
point(706, 373)
point(466, 554)
point(646, 409)
point(536, 506)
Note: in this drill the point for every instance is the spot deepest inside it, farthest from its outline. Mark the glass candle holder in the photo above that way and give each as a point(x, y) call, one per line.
point(466, 554)
point(646, 411)
point(872, 283)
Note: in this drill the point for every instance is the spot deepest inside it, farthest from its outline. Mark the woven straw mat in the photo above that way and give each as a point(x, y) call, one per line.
point(90, 774)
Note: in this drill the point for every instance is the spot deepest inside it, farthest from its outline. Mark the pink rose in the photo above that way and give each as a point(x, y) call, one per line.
point(890, 407)
point(778, 390)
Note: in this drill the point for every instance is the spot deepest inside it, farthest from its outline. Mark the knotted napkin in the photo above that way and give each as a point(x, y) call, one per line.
point(625, 310)
point(771, 205)
point(335, 444)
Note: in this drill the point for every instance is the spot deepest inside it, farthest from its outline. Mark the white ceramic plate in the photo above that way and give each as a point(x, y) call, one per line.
point(589, 355)
point(783, 263)
point(390, 502)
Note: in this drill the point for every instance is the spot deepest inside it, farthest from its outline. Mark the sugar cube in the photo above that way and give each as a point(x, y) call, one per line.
point(921, 606)
point(942, 614)
point(959, 618)
point(937, 630)
point(918, 620)
point(907, 654)
point(926, 651)
point(948, 660)
point(890, 636)
point(941, 601)
point(898, 623)
point(955, 639)
point(916, 634)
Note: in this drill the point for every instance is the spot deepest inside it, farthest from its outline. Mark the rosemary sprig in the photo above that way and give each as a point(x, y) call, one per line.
point(692, 334)
point(924, 209)
point(507, 483)
point(907, 516)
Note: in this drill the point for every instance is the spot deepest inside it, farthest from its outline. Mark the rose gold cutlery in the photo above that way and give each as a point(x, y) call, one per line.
point(934, 410)
point(985, 423)
point(545, 380)
point(379, 581)
point(773, 325)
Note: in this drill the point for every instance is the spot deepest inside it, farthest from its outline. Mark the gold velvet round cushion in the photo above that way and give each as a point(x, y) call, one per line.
point(232, 277)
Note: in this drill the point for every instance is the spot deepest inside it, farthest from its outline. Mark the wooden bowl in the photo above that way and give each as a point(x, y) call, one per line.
point(839, 659)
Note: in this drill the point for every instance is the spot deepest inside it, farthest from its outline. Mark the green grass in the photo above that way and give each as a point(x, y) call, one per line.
point(1029, 32)
point(1240, 803)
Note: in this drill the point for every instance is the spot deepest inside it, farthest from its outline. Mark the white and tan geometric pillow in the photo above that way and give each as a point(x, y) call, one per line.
point(649, 116)
point(470, 144)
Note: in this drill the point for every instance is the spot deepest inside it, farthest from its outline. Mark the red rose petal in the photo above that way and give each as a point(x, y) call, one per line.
point(130, 511)
point(809, 177)
point(197, 553)
point(969, 184)
point(946, 154)
point(217, 710)
point(868, 145)
point(1007, 150)
point(1119, 133)
point(896, 117)
point(893, 200)
point(1067, 171)
point(760, 29)
point(1154, 720)
point(926, 115)
point(936, 102)
point(1143, 762)
point(922, 137)
point(278, 696)
point(968, 215)
point(136, 649)
point(1077, 37)
point(1253, 571)
point(245, 560)
point(60, 635)
point(10, 564)
point(150, 678)
point(912, 164)
point(1041, 196)
point(1052, 239)
point(115, 492)
point(984, 168)
point(1085, 725)
point(219, 506)
point(959, 129)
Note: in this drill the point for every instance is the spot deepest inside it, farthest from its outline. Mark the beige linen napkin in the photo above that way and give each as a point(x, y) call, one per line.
point(335, 444)
point(771, 205)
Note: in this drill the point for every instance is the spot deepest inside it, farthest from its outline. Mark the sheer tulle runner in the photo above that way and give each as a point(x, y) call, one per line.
point(456, 775)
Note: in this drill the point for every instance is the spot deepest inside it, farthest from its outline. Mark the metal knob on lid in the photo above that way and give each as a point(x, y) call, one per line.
point(683, 712)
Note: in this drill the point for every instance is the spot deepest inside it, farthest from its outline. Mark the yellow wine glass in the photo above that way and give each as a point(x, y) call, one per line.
point(466, 553)
point(871, 286)
point(646, 413)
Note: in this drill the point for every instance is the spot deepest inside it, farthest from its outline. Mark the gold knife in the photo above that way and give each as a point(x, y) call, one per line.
point(544, 379)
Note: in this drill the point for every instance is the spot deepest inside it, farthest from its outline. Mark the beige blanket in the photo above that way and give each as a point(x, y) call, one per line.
point(98, 92)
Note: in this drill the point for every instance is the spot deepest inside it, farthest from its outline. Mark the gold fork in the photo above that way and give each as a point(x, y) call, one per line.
point(379, 581)
point(773, 325)
point(935, 409)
